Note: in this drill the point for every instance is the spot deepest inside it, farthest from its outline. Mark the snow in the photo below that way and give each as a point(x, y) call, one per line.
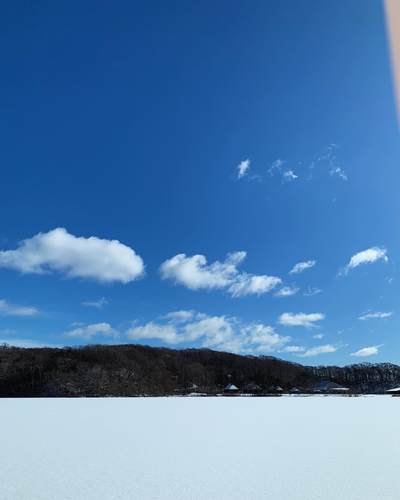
point(196, 448)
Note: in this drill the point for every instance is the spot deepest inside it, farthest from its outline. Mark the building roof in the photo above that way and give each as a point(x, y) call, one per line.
point(327, 385)
point(396, 389)
point(252, 386)
point(231, 387)
point(277, 388)
point(294, 389)
point(272, 388)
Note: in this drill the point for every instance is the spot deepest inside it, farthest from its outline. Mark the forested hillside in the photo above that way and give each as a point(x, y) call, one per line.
point(136, 370)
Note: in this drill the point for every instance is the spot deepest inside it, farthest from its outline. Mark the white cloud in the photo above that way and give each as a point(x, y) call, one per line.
point(8, 309)
point(218, 332)
point(286, 291)
point(367, 351)
point(338, 171)
point(323, 349)
point(77, 323)
point(365, 257)
point(376, 315)
point(96, 303)
point(276, 166)
point(312, 291)
point(301, 266)
point(293, 348)
point(390, 280)
point(87, 332)
point(93, 258)
point(319, 336)
point(194, 273)
point(288, 176)
point(26, 343)
point(300, 319)
point(243, 168)
point(8, 332)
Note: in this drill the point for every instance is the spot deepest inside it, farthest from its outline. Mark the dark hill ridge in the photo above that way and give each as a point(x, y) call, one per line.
point(137, 370)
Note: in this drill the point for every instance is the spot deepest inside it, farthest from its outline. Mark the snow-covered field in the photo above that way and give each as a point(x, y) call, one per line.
point(291, 448)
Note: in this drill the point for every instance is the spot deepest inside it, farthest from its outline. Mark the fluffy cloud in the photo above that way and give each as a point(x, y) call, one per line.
point(365, 257)
point(288, 176)
point(218, 332)
point(323, 349)
point(286, 291)
point(105, 261)
point(301, 266)
point(194, 273)
point(96, 303)
point(87, 332)
point(376, 315)
point(8, 309)
point(243, 168)
point(312, 291)
point(367, 351)
point(319, 336)
point(300, 319)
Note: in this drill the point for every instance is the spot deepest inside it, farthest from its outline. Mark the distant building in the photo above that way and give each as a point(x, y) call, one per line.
point(294, 390)
point(329, 387)
point(231, 389)
point(271, 388)
point(252, 388)
point(278, 389)
point(394, 392)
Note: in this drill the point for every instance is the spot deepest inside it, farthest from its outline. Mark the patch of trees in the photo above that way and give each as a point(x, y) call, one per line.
point(137, 370)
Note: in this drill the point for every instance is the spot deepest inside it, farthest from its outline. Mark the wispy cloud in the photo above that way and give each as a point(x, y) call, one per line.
point(312, 291)
point(28, 343)
point(8, 332)
point(338, 171)
point(217, 332)
point(365, 257)
point(301, 266)
point(87, 332)
point(9, 309)
point(300, 319)
point(319, 336)
point(96, 303)
point(367, 351)
point(194, 273)
point(105, 261)
point(376, 315)
point(276, 167)
point(323, 349)
point(287, 291)
point(293, 348)
point(243, 168)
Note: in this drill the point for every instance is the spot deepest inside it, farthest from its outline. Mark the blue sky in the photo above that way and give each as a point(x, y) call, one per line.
point(194, 153)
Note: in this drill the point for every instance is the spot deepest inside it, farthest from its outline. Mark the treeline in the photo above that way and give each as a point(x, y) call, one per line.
point(136, 370)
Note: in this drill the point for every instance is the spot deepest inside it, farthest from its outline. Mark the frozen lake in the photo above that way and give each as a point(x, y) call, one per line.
point(291, 448)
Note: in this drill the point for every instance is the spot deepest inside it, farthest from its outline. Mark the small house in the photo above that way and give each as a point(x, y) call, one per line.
point(252, 388)
point(394, 392)
point(328, 387)
point(294, 390)
point(230, 390)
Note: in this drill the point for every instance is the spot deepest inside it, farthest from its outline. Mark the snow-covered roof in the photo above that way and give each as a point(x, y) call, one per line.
point(339, 389)
point(397, 389)
point(327, 385)
point(294, 389)
point(253, 386)
point(231, 387)
point(277, 388)
point(272, 388)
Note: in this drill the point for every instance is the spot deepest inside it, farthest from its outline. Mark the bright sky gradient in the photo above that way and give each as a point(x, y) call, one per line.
point(182, 174)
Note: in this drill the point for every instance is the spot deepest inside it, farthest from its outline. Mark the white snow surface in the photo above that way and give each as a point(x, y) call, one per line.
point(322, 448)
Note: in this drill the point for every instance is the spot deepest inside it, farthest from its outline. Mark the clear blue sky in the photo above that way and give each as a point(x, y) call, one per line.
point(127, 121)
